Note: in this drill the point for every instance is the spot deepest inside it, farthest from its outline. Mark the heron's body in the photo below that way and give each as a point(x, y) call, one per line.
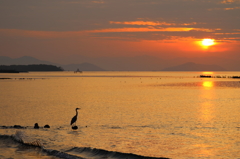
point(74, 119)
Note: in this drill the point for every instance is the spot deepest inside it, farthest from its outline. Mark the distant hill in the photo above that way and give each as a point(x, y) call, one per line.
point(136, 63)
point(25, 60)
point(82, 67)
point(190, 66)
point(27, 68)
point(121, 63)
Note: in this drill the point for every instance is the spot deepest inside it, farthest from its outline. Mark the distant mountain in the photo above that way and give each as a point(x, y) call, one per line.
point(149, 63)
point(25, 60)
point(4, 60)
point(82, 67)
point(190, 66)
point(136, 63)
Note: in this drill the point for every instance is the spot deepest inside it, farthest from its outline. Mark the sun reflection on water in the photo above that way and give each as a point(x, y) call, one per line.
point(207, 84)
point(207, 73)
point(207, 109)
point(204, 150)
point(206, 116)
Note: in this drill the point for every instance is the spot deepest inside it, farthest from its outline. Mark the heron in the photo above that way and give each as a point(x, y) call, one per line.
point(74, 119)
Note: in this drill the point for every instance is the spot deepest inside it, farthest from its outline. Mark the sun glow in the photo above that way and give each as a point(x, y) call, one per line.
point(208, 42)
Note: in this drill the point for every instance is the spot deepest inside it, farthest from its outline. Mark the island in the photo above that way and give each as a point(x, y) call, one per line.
point(28, 68)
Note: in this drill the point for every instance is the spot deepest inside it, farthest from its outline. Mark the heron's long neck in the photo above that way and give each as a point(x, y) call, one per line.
point(76, 112)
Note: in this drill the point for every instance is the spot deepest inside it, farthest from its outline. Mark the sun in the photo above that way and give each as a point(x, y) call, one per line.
point(208, 42)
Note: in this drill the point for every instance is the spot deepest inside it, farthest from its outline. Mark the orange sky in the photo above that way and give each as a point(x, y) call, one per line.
point(119, 28)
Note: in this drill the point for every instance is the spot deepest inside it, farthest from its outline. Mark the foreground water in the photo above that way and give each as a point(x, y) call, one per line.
point(150, 114)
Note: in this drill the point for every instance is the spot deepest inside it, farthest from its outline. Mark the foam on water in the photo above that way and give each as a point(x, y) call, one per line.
point(20, 142)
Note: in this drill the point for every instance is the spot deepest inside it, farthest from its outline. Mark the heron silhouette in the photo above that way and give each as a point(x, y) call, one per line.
point(74, 120)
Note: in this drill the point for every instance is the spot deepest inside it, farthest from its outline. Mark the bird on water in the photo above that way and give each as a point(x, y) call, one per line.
point(74, 120)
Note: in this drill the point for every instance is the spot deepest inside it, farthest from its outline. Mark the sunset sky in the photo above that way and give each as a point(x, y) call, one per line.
point(54, 29)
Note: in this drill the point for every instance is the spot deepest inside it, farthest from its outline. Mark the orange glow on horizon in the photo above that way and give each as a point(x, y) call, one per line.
point(172, 45)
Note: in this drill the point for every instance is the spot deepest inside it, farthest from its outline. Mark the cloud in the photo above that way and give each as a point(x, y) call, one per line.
point(149, 29)
point(233, 8)
point(117, 21)
point(40, 34)
point(151, 23)
point(229, 1)
point(98, 2)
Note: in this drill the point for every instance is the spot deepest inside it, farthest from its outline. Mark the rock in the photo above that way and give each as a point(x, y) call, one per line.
point(18, 127)
point(74, 127)
point(36, 126)
point(46, 126)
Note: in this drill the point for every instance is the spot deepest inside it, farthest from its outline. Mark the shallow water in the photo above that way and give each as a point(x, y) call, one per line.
point(154, 114)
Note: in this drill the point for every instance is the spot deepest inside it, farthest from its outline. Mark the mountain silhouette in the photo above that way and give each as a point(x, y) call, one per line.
point(136, 63)
point(25, 60)
point(28, 60)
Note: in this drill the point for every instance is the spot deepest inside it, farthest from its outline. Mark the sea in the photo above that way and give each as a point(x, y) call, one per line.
point(130, 115)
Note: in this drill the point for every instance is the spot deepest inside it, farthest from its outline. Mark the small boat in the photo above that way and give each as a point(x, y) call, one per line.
point(77, 71)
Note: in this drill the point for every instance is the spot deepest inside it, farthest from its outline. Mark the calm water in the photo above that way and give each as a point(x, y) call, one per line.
point(155, 114)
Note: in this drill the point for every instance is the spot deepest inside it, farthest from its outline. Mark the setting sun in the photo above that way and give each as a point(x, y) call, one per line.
point(208, 42)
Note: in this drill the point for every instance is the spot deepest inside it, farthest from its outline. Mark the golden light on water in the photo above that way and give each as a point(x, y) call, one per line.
point(207, 109)
point(207, 112)
point(207, 73)
point(207, 84)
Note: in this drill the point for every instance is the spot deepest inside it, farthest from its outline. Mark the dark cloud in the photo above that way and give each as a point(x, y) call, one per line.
point(69, 15)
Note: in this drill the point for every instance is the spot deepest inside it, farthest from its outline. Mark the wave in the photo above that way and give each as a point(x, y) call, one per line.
point(100, 153)
point(18, 137)
point(73, 153)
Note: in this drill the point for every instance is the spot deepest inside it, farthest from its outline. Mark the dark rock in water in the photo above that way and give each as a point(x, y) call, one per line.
point(18, 127)
point(46, 126)
point(13, 127)
point(36, 126)
point(4, 127)
point(74, 127)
